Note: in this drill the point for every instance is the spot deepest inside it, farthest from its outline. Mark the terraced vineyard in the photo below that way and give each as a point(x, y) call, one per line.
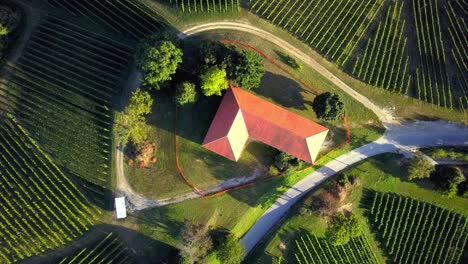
point(385, 60)
point(413, 47)
point(61, 88)
point(205, 6)
point(334, 27)
point(418, 232)
point(108, 250)
point(310, 249)
point(40, 208)
point(129, 17)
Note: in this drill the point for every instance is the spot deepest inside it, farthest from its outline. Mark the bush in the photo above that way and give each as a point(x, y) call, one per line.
point(448, 178)
point(213, 81)
point(342, 229)
point(328, 106)
point(194, 242)
point(158, 60)
point(286, 163)
point(231, 250)
point(420, 168)
point(186, 93)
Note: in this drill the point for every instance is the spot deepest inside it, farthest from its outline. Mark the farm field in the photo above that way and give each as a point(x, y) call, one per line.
point(110, 249)
point(131, 18)
point(413, 48)
point(312, 250)
point(416, 231)
point(383, 176)
point(41, 208)
point(204, 6)
point(63, 101)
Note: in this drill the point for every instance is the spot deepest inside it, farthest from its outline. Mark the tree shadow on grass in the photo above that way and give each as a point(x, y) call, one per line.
point(282, 90)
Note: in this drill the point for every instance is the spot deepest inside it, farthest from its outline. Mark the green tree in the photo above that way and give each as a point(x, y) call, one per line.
point(186, 93)
point(131, 124)
point(328, 106)
point(159, 62)
point(247, 69)
point(342, 229)
point(231, 251)
point(420, 168)
point(449, 178)
point(194, 242)
point(3, 30)
point(213, 81)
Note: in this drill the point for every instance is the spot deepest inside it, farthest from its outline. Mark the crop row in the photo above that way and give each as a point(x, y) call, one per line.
point(108, 250)
point(334, 27)
point(206, 6)
point(416, 231)
point(130, 17)
point(384, 62)
point(62, 88)
point(40, 208)
point(310, 249)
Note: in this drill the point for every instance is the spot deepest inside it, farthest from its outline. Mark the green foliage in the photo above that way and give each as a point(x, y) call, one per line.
point(247, 68)
point(3, 30)
point(420, 168)
point(131, 124)
point(213, 81)
point(194, 242)
point(243, 67)
point(186, 93)
point(286, 163)
point(328, 106)
point(342, 228)
point(231, 250)
point(448, 178)
point(158, 61)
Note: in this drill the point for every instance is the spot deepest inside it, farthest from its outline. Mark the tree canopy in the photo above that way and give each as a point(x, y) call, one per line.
point(328, 106)
point(186, 93)
point(420, 168)
point(194, 242)
point(231, 251)
point(213, 81)
point(158, 61)
point(131, 124)
point(342, 229)
point(243, 67)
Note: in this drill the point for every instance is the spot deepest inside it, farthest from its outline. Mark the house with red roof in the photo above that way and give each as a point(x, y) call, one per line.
point(243, 117)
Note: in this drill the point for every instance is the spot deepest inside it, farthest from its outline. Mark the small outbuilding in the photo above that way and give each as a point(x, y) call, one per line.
point(120, 209)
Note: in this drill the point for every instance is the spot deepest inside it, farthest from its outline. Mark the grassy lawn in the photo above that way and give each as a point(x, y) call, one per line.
point(384, 173)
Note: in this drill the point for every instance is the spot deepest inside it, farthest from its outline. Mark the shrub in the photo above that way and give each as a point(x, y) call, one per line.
point(194, 242)
point(328, 106)
point(231, 251)
point(186, 93)
point(342, 229)
point(420, 168)
point(213, 81)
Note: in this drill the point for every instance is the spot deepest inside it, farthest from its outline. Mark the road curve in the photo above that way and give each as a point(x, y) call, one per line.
point(383, 115)
point(398, 138)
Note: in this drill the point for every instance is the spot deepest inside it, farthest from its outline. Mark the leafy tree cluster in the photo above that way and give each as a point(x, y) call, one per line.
point(186, 93)
point(158, 59)
point(131, 124)
point(197, 246)
point(213, 81)
point(342, 228)
point(243, 67)
point(328, 106)
point(285, 163)
point(449, 179)
point(420, 168)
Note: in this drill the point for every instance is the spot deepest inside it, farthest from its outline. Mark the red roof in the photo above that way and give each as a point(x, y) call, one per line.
point(265, 122)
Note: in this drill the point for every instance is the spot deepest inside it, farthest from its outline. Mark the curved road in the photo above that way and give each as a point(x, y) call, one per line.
point(402, 138)
point(383, 115)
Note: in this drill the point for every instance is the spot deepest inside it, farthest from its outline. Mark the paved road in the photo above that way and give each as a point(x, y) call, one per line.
point(405, 137)
point(383, 115)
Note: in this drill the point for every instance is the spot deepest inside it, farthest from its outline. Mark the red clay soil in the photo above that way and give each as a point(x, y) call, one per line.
point(277, 64)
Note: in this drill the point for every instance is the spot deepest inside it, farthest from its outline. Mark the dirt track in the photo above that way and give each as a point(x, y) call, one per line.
point(383, 115)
